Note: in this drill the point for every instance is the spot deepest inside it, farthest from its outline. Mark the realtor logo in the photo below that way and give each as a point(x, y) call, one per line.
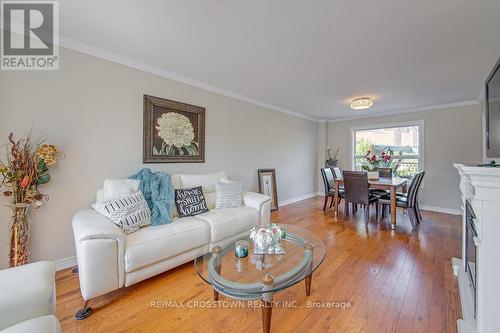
point(30, 35)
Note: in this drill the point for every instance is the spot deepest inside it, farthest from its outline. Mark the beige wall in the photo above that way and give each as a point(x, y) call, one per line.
point(450, 135)
point(93, 109)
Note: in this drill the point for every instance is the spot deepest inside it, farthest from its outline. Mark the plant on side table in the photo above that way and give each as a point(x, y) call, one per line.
point(332, 161)
point(23, 171)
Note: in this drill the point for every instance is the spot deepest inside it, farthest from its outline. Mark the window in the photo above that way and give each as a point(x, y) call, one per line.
point(405, 140)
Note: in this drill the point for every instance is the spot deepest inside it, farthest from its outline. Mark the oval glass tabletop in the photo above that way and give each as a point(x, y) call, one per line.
point(250, 277)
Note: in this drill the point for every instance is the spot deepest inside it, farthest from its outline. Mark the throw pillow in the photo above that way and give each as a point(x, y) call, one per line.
point(227, 194)
point(129, 212)
point(190, 201)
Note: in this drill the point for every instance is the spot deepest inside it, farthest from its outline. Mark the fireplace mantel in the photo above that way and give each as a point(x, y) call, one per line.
point(481, 183)
point(481, 187)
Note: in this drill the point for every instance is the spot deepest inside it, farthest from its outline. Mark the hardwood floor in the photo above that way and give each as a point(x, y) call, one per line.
point(389, 281)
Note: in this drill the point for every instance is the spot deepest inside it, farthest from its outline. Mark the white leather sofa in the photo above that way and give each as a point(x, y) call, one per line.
point(108, 259)
point(28, 299)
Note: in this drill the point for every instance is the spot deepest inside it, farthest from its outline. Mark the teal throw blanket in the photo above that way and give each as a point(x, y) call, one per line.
point(158, 191)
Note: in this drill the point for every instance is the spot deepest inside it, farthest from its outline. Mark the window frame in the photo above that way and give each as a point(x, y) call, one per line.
point(421, 145)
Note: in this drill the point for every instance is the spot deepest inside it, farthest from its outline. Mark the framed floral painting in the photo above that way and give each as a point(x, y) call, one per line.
point(174, 132)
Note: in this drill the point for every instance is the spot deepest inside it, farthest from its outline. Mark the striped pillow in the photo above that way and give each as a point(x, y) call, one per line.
point(227, 194)
point(129, 212)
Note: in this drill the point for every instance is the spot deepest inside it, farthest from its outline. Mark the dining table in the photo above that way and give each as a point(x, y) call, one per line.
point(388, 184)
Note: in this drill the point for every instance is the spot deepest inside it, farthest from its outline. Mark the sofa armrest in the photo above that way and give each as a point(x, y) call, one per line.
point(260, 202)
point(89, 224)
point(27, 292)
point(100, 252)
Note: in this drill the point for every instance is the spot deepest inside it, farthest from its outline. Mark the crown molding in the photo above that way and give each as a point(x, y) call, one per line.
point(116, 58)
point(410, 110)
point(80, 47)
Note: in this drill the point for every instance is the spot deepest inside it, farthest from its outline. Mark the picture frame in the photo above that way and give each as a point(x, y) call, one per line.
point(173, 132)
point(267, 185)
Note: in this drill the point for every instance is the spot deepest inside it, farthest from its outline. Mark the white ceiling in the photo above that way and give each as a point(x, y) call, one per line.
point(308, 57)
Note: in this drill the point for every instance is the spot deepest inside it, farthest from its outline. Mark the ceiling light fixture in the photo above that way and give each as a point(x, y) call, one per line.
point(361, 103)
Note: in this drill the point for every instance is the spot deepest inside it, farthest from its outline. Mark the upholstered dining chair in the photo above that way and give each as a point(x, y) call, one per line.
point(357, 192)
point(328, 179)
point(409, 200)
point(385, 173)
point(337, 173)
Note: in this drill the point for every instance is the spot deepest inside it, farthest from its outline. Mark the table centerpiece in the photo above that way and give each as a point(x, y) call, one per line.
point(267, 240)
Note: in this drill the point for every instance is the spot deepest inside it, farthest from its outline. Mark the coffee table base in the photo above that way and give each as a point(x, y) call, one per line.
point(267, 311)
point(267, 300)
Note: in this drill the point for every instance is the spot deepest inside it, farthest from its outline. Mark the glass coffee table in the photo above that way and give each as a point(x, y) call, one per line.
point(259, 276)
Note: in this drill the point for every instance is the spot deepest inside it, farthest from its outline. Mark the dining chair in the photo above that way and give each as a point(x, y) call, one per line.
point(384, 173)
point(417, 206)
point(420, 179)
point(337, 173)
point(357, 191)
point(407, 200)
point(328, 179)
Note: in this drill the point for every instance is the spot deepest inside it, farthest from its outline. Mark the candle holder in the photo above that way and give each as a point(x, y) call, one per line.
point(241, 249)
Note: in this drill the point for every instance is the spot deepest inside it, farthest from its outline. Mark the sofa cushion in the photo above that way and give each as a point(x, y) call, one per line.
point(157, 243)
point(45, 324)
point(228, 222)
point(116, 188)
point(206, 181)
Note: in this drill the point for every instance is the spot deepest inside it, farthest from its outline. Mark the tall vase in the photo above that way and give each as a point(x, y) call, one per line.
point(19, 235)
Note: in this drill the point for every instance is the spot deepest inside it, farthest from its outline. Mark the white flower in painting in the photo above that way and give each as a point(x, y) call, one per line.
point(175, 129)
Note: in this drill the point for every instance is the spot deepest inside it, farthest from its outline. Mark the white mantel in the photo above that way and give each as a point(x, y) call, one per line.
point(481, 187)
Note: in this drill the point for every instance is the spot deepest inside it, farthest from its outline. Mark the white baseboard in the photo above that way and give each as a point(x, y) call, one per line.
point(296, 199)
point(65, 263)
point(467, 323)
point(423, 207)
point(441, 210)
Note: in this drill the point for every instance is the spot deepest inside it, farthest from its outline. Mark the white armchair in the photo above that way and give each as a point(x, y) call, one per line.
point(28, 301)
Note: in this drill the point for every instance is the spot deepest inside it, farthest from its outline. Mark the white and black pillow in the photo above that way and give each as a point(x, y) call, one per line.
point(227, 194)
point(190, 201)
point(130, 212)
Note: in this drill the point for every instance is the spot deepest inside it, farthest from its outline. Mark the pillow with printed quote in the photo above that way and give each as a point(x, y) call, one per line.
point(190, 201)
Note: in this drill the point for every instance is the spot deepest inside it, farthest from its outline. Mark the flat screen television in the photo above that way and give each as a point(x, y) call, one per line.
point(492, 107)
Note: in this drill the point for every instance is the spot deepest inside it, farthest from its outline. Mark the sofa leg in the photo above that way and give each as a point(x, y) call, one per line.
point(84, 312)
point(75, 270)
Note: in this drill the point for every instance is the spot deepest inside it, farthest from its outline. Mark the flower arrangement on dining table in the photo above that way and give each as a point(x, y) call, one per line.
point(22, 172)
point(373, 162)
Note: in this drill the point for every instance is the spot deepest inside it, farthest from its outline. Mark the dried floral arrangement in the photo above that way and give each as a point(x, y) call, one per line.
point(24, 170)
